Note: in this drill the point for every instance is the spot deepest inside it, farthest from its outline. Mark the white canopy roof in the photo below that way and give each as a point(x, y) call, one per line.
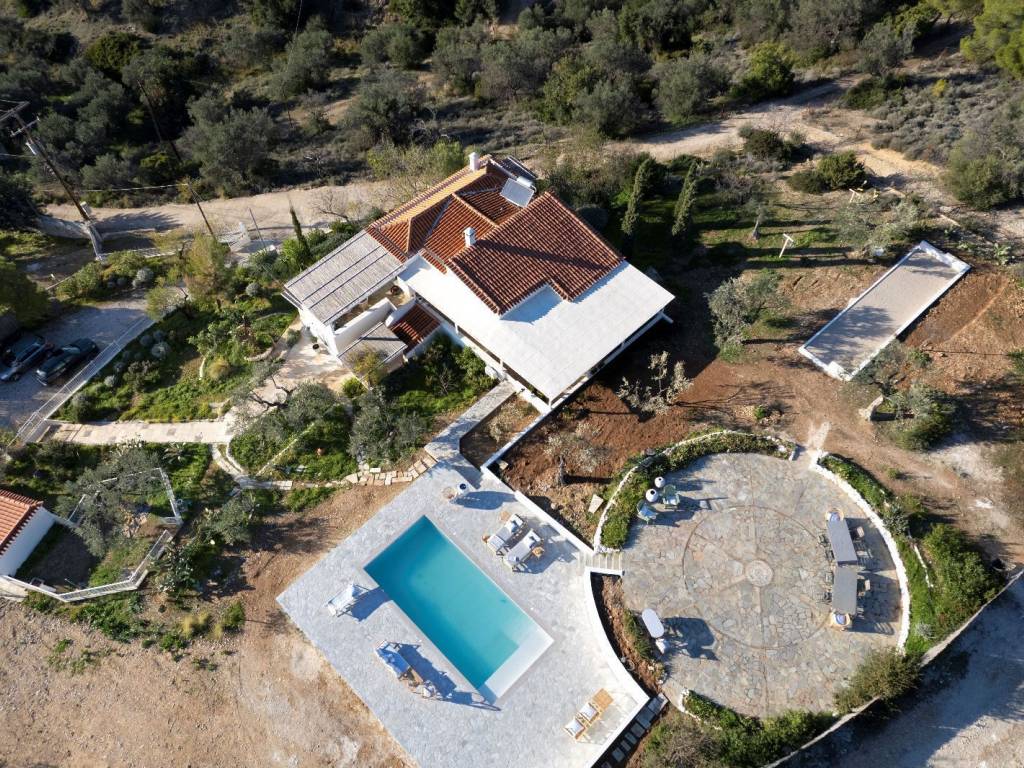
point(548, 341)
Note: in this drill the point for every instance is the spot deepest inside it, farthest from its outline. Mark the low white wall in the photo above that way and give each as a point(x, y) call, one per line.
point(890, 542)
point(348, 334)
point(26, 540)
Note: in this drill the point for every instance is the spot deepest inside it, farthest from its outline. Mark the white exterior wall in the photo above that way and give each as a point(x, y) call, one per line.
point(26, 540)
point(323, 333)
point(349, 333)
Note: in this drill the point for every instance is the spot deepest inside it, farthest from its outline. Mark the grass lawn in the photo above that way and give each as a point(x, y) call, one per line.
point(122, 557)
point(411, 392)
point(170, 389)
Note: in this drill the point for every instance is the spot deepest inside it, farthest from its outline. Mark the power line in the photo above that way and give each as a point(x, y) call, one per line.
point(174, 150)
point(132, 189)
point(37, 148)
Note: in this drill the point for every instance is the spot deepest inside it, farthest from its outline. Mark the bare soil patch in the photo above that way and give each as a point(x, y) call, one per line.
point(501, 425)
point(967, 334)
point(264, 697)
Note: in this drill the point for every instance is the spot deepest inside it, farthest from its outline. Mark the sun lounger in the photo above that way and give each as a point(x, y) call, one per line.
point(346, 601)
point(499, 541)
point(391, 655)
point(588, 714)
point(530, 546)
point(575, 728)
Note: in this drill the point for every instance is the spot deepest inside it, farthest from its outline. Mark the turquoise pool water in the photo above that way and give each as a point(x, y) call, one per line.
point(466, 616)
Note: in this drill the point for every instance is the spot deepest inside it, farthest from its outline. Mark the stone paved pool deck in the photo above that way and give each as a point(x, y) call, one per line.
point(739, 580)
point(525, 726)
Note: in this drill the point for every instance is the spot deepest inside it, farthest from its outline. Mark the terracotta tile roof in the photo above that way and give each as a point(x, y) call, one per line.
point(546, 243)
point(415, 326)
point(448, 236)
point(518, 250)
point(465, 199)
point(15, 511)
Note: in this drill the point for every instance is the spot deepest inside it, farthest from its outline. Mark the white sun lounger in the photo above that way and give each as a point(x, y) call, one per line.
point(522, 551)
point(575, 728)
point(499, 541)
point(345, 602)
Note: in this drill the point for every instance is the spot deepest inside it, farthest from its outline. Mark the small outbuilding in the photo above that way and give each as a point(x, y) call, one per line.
point(23, 523)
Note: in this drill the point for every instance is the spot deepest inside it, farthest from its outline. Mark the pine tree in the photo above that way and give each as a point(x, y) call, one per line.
point(641, 182)
point(684, 203)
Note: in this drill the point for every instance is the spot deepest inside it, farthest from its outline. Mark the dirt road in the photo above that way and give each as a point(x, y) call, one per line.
point(269, 209)
point(264, 698)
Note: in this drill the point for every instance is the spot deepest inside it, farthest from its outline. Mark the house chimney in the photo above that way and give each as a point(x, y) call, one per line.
point(474, 161)
point(470, 234)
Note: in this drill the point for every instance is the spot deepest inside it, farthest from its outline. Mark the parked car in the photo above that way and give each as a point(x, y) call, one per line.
point(66, 359)
point(27, 352)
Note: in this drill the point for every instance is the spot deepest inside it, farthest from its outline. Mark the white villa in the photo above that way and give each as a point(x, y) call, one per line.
point(518, 276)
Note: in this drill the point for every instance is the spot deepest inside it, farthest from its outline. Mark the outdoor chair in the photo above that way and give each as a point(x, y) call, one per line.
point(588, 714)
point(602, 700)
point(346, 601)
point(499, 541)
point(858, 533)
point(826, 596)
point(531, 545)
point(645, 513)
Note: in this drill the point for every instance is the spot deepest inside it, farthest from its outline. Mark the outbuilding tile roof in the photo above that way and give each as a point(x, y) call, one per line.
point(15, 511)
point(415, 325)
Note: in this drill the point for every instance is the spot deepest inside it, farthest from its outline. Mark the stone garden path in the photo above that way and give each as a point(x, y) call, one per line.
point(113, 432)
point(738, 577)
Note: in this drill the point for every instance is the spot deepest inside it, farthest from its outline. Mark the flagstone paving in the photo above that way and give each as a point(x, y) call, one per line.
point(740, 585)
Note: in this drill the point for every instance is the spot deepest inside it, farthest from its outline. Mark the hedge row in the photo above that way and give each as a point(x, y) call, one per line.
point(747, 742)
point(622, 511)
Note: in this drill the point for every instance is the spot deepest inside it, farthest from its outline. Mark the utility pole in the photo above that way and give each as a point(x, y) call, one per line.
point(37, 148)
point(174, 151)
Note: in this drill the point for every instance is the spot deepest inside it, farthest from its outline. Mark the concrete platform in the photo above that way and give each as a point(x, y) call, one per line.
point(461, 728)
point(856, 335)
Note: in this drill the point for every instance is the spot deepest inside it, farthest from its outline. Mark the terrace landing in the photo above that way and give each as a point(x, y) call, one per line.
point(738, 577)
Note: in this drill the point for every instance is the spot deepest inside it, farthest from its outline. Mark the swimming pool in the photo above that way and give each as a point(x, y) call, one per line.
point(465, 615)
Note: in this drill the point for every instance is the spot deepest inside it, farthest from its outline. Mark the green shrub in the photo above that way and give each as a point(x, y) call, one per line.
point(638, 637)
point(808, 181)
point(765, 144)
point(746, 742)
point(769, 72)
point(842, 170)
point(885, 674)
point(872, 92)
point(233, 619)
point(111, 51)
point(353, 389)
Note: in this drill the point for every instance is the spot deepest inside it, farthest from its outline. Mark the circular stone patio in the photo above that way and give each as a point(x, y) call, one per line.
point(740, 586)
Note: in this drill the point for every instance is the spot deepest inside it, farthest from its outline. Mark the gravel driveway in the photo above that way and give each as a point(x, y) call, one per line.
point(103, 323)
